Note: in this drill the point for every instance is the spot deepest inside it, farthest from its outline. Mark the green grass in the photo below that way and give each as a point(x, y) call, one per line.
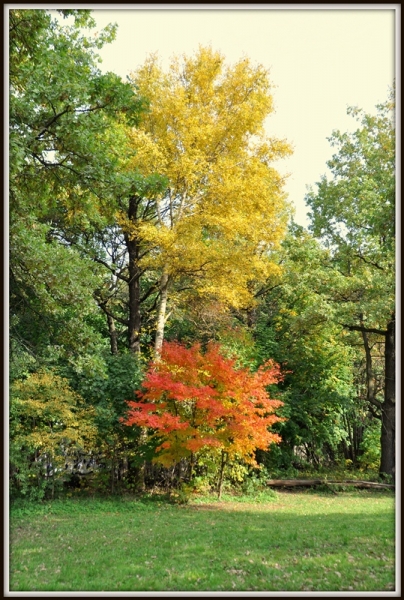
point(295, 541)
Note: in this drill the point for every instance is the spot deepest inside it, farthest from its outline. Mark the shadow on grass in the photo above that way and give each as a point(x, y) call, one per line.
point(298, 542)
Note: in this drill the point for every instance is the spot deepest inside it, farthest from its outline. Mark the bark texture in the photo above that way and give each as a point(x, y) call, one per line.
point(387, 464)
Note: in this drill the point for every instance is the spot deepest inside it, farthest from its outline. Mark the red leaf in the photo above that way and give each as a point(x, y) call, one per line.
point(195, 400)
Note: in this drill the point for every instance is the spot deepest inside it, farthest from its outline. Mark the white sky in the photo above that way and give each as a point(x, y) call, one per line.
point(321, 61)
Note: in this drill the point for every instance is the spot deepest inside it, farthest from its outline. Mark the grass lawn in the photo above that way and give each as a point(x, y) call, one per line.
point(293, 542)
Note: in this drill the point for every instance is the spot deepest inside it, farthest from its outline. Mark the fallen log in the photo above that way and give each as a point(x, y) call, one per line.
point(314, 482)
point(367, 483)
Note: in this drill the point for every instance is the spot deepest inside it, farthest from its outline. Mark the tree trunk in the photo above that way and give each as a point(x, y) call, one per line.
point(314, 482)
point(141, 473)
point(221, 474)
point(191, 465)
point(132, 244)
point(370, 379)
point(161, 317)
point(113, 335)
point(113, 470)
point(251, 317)
point(351, 449)
point(387, 463)
point(387, 407)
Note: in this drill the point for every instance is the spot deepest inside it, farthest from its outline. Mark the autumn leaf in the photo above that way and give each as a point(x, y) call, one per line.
point(195, 400)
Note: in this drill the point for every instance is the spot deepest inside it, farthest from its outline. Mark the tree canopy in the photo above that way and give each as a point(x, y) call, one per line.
point(224, 209)
point(354, 214)
point(153, 262)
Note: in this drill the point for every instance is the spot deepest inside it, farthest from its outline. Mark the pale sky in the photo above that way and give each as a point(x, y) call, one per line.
point(321, 61)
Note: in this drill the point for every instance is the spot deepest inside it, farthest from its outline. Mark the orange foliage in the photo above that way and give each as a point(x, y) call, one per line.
point(193, 400)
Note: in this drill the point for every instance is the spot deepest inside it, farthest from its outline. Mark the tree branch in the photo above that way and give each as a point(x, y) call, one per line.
point(374, 413)
point(375, 402)
point(152, 288)
point(51, 121)
point(369, 262)
point(114, 271)
point(364, 329)
point(103, 307)
point(265, 290)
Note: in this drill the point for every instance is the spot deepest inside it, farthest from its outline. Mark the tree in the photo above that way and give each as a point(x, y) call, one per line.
point(354, 214)
point(67, 124)
point(194, 401)
point(79, 158)
point(105, 391)
point(295, 322)
point(66, 138)
point(224, 209)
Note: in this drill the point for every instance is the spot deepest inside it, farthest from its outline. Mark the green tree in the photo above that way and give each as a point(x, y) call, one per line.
point(66, 122)
point(106, 390)
point(295, 323)
point(354, 214)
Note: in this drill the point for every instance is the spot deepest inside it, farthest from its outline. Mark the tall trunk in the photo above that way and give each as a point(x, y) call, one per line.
point(370, 380)
point(113, 335)
point(358, 438)
point(132, 244)
point(134, 302)
point(161, 316)
point(387, 463)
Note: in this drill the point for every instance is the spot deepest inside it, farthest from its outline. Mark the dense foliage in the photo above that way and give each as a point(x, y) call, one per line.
point(200, 403)
point(151, 263)
point(354, 214)
point(49, 423)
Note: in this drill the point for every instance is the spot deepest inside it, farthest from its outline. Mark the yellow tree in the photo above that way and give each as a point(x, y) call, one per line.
point(224, 210)
point(49, 425)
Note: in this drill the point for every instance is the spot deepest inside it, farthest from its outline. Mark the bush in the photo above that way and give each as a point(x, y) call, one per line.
point(48, 423)
point(370, 447)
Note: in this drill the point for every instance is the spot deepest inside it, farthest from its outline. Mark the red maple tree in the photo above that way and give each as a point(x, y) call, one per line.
point(193, 401)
